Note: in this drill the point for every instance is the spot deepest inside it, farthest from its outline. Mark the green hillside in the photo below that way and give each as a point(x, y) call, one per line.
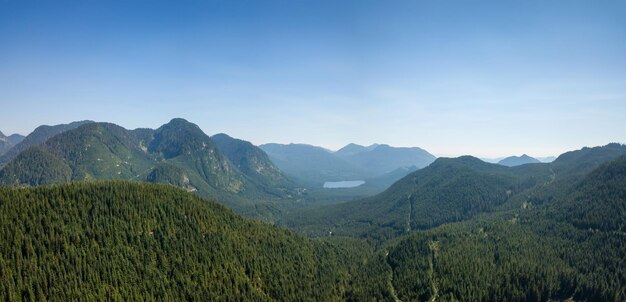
point(35, 166)
point(572, 248)
point(460, 229)
point(451, 190)
point(39, 136)
point(129, 241)
point(177, 153)
point(250, 160)
point(184, 144)
point(448, 190)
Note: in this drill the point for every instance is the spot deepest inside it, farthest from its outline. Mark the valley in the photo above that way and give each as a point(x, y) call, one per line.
point(272, 150)
point(535, 232)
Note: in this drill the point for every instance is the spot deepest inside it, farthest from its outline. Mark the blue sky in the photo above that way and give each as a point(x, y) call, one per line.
point(487, 78)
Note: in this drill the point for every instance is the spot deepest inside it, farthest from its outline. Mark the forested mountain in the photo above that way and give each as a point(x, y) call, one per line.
point(177, 153)
point(571, 248)
point(250, 160)
point(459, 229)
point(129, 241)
point(449, 190)
point(512, 161)
point(452, 190)
point(184, 144)
point(40, 135)
point(133, 241)
point(92, 151)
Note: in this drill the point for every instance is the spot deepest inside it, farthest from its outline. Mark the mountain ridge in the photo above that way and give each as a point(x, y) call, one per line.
point(316, 165)
point(178, 153)
point(512, 161)
point(37, 137)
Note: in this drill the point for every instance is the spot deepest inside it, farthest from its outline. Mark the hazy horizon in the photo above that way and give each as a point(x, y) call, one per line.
point(488, 79)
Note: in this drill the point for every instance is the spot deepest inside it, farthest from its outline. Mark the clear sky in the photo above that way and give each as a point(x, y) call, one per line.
point(487, 78)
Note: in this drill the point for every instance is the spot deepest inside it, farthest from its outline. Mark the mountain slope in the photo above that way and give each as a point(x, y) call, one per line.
point(131, 241)
point(598, 202)
point(177, 153)
point(571, 249)
point(35, 166)
point(5, 144)
point(39, 136)
point(184, 144)
point(92, 151)
point(250, 160)
point(512, 161)
point(451, 190)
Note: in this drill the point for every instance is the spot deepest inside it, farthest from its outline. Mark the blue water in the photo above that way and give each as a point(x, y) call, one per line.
point(343, 184)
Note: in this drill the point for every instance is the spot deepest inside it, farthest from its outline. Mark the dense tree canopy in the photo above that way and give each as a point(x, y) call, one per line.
point(130, 241)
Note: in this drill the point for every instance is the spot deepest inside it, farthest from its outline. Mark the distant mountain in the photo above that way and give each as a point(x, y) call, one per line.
point(513, 161)
point(311, 164)
point(316, 165)
point(383, 159)
point(7, 142)
point(135, 241)
point(40, 135)
point(16, 138)
point(4, 143)
point(178, 153)
point(352, 149)
point(492, 160)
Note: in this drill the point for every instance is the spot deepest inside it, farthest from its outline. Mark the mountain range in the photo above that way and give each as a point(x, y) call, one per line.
point(40, 135)
point(177, 153)
point(453, 229)
point(568, 249)
point(466, 230)
point(450, 190)
point(315, 165)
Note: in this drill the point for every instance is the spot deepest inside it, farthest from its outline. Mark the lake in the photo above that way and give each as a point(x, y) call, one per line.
point(343, 184)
